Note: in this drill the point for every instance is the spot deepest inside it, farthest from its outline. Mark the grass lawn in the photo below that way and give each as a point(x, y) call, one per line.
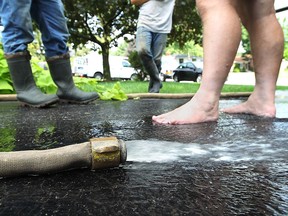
point(173, 87)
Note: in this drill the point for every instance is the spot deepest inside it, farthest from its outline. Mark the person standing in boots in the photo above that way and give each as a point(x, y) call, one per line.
point(16, 17)
point(154, 23)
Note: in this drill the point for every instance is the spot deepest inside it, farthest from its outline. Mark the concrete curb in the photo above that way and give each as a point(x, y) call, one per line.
point(183, 95)
point(12, 97)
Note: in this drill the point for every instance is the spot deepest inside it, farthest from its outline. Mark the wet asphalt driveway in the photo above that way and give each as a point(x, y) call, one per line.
point(236, 166)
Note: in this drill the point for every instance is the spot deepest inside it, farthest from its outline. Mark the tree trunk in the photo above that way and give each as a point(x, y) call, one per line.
point(106, 66)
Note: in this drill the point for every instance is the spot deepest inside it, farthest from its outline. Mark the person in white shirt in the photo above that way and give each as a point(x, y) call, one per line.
point(154, 23)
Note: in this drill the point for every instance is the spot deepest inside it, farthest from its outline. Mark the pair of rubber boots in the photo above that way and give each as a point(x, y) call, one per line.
point(60, 69)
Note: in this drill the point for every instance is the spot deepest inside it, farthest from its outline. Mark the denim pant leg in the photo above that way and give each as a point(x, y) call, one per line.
point(17, 23)
point(49, 15)
point(150, 46)
point(159, 44)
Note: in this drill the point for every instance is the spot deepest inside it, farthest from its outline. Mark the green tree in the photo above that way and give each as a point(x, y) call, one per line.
point(100, 22)
point(190, 48)
point(104, 22)
point(187, 24)
point(122, 49)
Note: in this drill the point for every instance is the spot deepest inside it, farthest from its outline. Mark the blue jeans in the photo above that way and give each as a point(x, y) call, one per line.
point(150, 47)
point(16, 17)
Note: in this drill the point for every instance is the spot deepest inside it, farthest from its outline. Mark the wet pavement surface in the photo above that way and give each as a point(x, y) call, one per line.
point(236, 166)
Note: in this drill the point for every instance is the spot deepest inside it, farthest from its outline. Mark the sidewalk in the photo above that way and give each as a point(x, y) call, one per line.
point(236, 166)
point(248, 78)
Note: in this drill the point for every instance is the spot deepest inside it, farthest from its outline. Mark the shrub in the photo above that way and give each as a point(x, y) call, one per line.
point(45, 83)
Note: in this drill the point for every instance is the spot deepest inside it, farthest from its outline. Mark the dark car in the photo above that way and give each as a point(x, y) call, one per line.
point(187, 71)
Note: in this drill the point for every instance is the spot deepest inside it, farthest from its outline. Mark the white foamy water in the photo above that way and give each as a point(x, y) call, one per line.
point(164, 151)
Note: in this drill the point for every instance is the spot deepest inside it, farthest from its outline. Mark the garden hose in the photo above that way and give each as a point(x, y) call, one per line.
point(13, 97)
point(98, 153)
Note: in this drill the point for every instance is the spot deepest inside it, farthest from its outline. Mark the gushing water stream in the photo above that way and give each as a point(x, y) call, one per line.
point(166, 151)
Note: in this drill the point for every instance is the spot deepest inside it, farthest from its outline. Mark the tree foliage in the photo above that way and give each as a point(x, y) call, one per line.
point(104, 22)
point(190, 48)
point(101, 22)
point(187, 24)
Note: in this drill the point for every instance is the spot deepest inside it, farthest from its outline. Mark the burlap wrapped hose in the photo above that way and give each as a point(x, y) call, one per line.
point(98, 153)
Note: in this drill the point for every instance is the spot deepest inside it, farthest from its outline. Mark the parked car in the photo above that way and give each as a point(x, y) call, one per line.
point(187, 71)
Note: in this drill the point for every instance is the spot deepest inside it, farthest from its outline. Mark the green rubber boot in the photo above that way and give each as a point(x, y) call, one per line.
point(60, 69)
point(23, 81)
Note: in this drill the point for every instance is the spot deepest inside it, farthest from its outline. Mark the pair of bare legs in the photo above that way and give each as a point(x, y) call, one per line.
point(222, 34)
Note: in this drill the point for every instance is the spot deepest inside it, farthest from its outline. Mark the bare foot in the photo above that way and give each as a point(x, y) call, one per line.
point(254, 107)
point(194, 111)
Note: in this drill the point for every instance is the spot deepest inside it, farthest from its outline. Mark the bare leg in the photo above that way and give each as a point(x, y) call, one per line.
point(267, 42)
point(221, 39)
